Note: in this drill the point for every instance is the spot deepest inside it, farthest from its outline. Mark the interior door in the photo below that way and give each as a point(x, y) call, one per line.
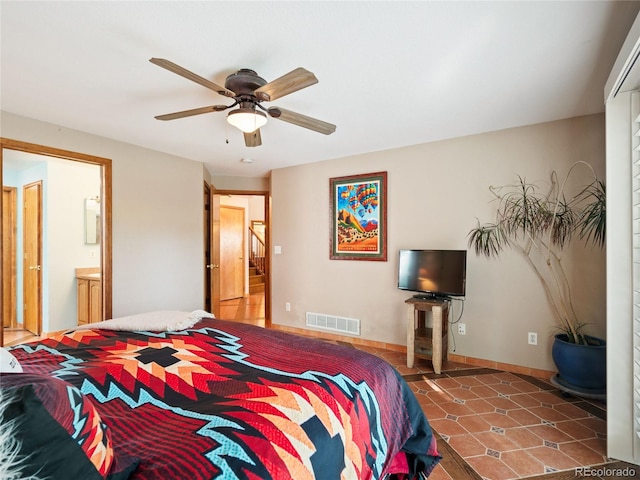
point(231, 252)
point(9, 231)
point(32, 263)
point(215, 255)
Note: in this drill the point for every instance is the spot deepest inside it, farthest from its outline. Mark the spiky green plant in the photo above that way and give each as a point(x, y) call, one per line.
point(539, 225)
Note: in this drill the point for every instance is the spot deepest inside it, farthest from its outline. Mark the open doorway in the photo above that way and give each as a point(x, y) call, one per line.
point(240, 263)
point(49, 312)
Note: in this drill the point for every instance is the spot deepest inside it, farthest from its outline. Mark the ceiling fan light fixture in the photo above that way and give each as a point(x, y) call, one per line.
point(247, 119)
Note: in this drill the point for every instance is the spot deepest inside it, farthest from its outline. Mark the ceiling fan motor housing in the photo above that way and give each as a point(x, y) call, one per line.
point(244, 82)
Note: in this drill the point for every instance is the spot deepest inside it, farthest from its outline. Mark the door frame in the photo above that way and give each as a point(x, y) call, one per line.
point(11, 298)
point(105, 206)
point(267, 241)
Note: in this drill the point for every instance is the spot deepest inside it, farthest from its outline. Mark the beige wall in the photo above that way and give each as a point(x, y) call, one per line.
point(157, 218)
point(253, 184)
point(435, 193)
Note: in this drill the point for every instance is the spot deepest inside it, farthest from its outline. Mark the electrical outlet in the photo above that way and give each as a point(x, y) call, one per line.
point(532, 338)
point(287, 307)
point(462, 329)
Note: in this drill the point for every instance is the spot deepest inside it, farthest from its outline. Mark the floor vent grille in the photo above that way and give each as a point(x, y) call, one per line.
point(333, 323)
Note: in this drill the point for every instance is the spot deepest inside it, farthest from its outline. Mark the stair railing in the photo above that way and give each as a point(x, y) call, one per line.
point(256, 251)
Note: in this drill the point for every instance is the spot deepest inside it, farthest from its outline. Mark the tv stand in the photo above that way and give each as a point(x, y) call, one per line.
point(423, 341)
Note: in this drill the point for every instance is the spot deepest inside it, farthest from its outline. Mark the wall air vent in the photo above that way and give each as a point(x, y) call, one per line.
point(322, 321)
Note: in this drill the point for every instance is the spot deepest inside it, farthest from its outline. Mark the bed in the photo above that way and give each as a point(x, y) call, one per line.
point(215, 399)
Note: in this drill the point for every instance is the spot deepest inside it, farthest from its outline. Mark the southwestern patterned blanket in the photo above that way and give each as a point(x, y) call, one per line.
point(234, 401)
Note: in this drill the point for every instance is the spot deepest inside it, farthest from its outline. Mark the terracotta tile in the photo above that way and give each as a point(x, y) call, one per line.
point(499, 420)
point(447, 383)
point(550, 457)
point(439, 396)
point(502, 403)
point(495, 441)
point(488, 379)
point(456, 409)
point(549, 433)
point(576, 429)
point(523, 437)
point(522, 463)
point(469, 381)
point(581, 453)
point(462, 393)
point(474, 423)
point(439, 473)
point(595, 424)
point(548, 414)
point(507, 377)
point(491, 468)
point(484, 391)
point(524, 417)
point(414, 386)
point(505, 389)
point(424, 400)
point(525, 387)
point(467, 445)
point(433, 411)
point(598, 445)
point(480, 406)
point(548, 398)
point(525, 400)
point(571, 411)
point(428, 384)
point(447, 427)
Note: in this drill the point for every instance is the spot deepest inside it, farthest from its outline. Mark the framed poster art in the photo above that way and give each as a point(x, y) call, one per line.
point(358, 205)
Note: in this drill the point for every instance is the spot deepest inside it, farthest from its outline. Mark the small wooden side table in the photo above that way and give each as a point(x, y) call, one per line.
point(423, 341)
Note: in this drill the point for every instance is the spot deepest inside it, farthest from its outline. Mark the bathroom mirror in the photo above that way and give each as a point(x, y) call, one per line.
point(92, 221)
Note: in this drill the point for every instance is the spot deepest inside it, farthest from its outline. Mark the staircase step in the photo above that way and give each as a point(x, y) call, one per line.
point(256, 288)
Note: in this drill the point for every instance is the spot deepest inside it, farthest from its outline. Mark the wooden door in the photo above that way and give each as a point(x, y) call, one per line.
point(215, 255)
point(9, 230)
point(32, 260)
point(231, 252)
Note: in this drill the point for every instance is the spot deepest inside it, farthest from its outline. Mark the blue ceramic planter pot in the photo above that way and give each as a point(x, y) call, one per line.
point(582, 366)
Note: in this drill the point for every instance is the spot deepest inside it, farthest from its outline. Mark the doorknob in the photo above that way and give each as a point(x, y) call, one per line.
point(211, 265)
point(37, 267)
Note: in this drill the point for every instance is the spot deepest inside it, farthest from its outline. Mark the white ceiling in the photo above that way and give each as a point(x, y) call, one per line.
point(390, 73)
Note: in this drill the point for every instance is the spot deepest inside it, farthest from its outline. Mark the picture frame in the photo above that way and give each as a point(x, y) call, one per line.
point(358, 212)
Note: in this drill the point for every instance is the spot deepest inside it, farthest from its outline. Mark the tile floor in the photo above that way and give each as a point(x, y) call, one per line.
point(505, 425)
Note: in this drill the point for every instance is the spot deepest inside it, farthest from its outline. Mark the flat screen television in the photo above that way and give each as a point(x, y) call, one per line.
point(433, 273)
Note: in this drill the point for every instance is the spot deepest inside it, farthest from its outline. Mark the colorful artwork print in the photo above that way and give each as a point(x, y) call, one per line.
point(358, 213)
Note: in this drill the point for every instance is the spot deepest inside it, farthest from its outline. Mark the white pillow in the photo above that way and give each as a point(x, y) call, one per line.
point(9, 363)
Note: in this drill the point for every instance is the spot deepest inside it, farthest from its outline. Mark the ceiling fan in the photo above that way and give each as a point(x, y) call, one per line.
point(248, 91)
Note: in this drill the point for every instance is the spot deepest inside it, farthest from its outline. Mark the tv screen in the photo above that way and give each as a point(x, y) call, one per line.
point(437, 273)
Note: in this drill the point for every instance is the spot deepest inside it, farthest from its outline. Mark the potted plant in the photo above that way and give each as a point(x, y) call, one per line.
point(540, 225)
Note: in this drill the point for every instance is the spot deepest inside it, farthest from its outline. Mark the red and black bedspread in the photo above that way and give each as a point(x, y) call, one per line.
point(227, 400)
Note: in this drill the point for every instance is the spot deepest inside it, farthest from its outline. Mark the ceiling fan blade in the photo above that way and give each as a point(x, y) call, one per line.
point(302, 120)
point(288, 83)
point(253, 139)
point(183, 72)
point(189, 113)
